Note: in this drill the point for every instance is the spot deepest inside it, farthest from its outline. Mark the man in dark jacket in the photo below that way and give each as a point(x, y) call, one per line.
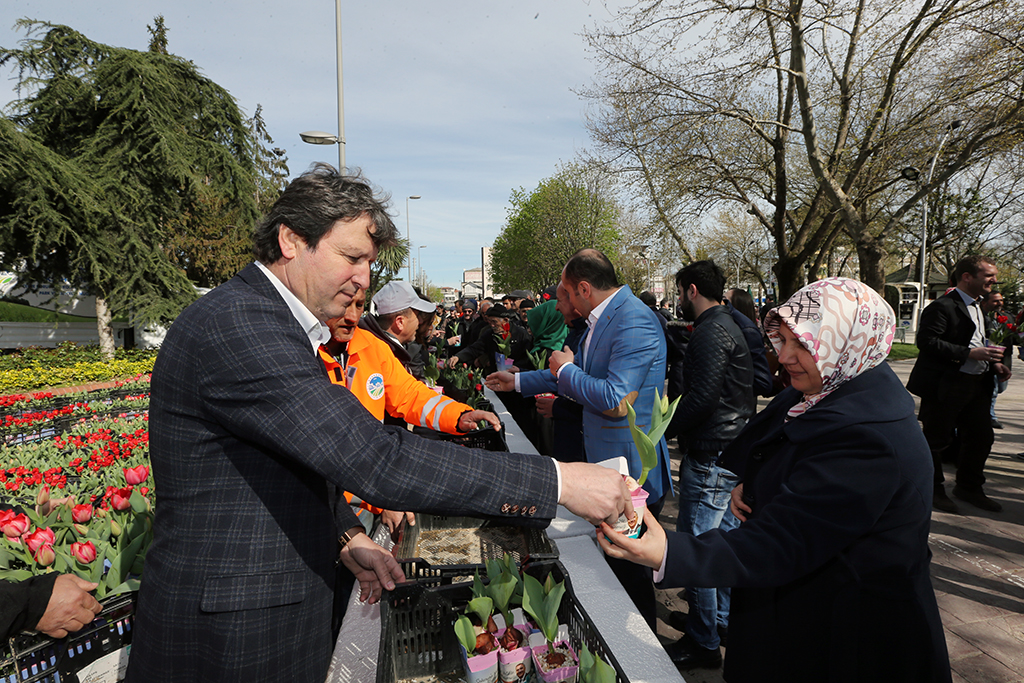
point(716, 403)
point(752, 335)
point(54, 604)
point(953, 375)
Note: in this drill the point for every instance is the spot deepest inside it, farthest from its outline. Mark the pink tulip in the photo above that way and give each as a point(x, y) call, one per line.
point(120, 499)
point(38, 538)
point(45, 556)
point(136, 475)
point(14, 526)
point(83, 552)
point(81, 513)
point(43, 496)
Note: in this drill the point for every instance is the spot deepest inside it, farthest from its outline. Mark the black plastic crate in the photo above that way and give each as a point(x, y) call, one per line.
point(488, 438)
point(495, 539)
point(418, 637)
point(37, 658)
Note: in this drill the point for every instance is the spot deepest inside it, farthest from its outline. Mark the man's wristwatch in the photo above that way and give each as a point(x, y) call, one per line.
point(349, 535)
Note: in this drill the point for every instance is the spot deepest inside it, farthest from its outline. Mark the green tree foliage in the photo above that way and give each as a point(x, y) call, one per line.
point(565, 213)
point(107, 154)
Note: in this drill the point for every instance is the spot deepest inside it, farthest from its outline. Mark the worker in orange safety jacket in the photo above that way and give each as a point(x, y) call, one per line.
point(357, 359)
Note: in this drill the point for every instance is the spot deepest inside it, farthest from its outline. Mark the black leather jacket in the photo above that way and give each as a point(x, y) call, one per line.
point(718, 398)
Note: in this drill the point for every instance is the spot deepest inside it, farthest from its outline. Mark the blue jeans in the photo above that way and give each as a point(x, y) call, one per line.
point(704, 490)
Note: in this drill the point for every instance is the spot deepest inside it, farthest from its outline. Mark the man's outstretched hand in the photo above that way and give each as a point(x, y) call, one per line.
point(595, 493)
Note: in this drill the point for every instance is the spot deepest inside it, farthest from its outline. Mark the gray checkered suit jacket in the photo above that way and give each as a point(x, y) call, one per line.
point(246, 432)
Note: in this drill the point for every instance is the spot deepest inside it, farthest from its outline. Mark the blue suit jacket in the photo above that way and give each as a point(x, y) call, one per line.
point(246, 432)
point(627, 354)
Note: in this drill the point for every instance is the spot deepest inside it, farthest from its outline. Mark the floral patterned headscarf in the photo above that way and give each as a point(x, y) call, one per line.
point(845, 325)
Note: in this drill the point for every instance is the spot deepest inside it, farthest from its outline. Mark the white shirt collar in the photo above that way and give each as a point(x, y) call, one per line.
point(968, 299)
point(316, 331)
point(595, 314)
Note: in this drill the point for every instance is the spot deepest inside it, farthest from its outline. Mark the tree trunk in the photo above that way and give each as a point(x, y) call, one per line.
point(872, 269)
point(106, 332)
point(789, 272)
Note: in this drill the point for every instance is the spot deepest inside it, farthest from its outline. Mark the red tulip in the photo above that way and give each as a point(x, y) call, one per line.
point(14, 526)
point(1002, 319)
point(82, 513)
point(44, 556)
point(83, 552)
point(120, 499)
point(479, 387)
point(38, 538)
point(136, 475)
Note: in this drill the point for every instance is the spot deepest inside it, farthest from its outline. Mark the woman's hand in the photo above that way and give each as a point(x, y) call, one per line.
point(647, 550)
point(739, 508)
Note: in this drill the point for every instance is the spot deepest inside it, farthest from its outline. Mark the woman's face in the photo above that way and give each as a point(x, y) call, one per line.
point(799, 362)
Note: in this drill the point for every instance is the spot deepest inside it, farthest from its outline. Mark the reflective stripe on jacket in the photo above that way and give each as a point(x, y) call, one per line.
point(382, 385)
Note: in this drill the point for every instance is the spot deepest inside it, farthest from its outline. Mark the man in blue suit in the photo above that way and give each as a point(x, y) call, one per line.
point(246, 431)
point(622, 359)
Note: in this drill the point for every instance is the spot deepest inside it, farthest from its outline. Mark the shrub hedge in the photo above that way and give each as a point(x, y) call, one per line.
point(69, 364)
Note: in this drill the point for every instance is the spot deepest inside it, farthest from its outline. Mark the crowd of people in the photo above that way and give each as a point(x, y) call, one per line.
point(284, 407)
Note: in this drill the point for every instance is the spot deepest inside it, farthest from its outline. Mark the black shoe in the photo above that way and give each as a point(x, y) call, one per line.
point(940, 501)
point(677, 620)
point(977, 498)
point(996, 424)
point(687, 654)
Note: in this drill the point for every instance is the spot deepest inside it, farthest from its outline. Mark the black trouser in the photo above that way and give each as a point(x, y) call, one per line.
point(961, 403)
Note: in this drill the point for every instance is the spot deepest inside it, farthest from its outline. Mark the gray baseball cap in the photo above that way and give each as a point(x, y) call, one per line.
point(398, 295)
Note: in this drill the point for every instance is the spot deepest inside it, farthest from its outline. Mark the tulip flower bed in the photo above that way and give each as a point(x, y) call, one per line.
point(82, 494)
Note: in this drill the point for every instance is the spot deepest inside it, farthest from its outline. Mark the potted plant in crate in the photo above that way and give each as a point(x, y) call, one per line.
point(593, 669)
point(479, 646)
point(514, 662)
point(647, 446)
point(554, 659)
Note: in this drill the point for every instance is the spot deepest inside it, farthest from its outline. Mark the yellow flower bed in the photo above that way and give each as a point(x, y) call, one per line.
point(82, 373)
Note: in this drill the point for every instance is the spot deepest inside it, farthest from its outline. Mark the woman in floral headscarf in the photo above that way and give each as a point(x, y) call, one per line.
point(830, 566)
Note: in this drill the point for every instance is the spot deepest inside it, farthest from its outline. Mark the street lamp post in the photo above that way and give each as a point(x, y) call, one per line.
point(913, 175)
point(419, 262)
point(318, 137)
point(409, 241)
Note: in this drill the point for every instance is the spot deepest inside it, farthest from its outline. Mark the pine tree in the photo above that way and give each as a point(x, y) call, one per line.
point(112, 152)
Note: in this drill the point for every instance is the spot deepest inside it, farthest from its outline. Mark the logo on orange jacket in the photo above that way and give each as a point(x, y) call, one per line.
point(375, 386)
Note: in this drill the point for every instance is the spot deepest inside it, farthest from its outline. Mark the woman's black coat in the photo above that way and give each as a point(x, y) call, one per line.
point(831, 571)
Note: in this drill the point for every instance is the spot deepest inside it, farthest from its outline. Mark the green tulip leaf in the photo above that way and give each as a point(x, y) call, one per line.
point(465, 633)
point(586, 661)
point(138, 501)
point(483, 607)
point(644, 446)
point(656, 434)
point(501, 590)
point(656, 414)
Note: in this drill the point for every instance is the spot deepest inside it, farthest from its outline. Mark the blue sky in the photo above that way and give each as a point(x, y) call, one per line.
point(458, 101)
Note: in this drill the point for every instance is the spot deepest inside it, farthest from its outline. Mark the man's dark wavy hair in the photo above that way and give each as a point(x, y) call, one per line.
point(314, 202)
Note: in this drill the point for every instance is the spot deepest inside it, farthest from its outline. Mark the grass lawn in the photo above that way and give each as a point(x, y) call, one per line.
point(19, 313)
point(902, 351)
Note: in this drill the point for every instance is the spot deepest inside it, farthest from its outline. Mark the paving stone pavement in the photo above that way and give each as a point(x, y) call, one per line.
point(977, 563)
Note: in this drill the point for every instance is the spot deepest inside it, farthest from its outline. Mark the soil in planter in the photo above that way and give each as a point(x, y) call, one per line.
point(561, 657)
point(469, 546)
point(452, 677)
